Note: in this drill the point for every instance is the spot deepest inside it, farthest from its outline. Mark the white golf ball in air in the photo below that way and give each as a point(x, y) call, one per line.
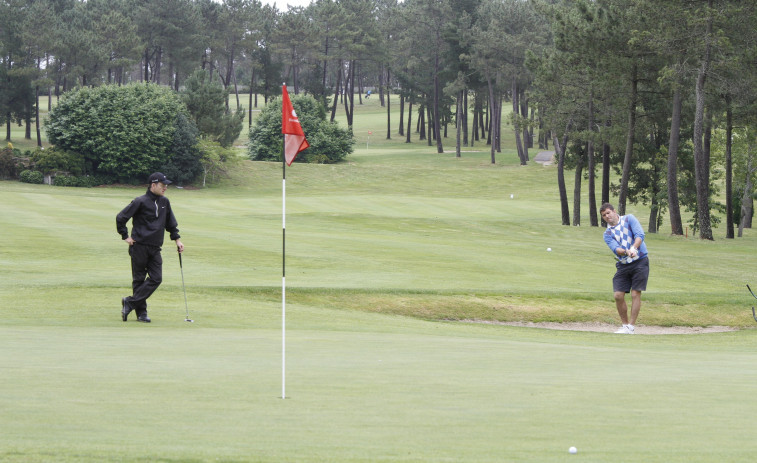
point(573, 450)
point(549, 249)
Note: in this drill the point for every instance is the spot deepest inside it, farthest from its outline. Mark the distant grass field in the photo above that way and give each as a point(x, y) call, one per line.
point(385, 254)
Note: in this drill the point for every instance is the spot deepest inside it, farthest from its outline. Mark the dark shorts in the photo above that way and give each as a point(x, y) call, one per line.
point(631, 276)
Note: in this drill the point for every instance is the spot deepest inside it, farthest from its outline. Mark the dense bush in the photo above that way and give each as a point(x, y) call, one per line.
point(87, 181)
point(52, 160)
point(7, 164)
point(329, 143)
point(31, 176)
point(126, 132)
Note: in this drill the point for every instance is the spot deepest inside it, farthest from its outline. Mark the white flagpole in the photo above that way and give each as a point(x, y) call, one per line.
point(283, 261)
point(283, 280)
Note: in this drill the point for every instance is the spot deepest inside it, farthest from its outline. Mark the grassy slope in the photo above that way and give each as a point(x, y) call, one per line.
point(398, 230)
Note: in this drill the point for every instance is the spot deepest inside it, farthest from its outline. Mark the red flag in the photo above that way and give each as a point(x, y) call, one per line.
point(294, 137)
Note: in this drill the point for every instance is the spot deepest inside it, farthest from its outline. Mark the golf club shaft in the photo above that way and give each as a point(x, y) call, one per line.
point(183, 287)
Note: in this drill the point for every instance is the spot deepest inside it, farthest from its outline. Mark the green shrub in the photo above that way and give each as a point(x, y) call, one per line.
point(31, 176)
point(7, 164)
point(329, 143)
point(52, 160)
point(86, 181)
point(126, 132)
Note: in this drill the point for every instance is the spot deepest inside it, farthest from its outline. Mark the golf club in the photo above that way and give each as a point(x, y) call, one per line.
point(753, 314)
point(183, 287)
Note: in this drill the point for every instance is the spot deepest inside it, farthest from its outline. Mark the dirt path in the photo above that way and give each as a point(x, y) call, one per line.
point(545, 158)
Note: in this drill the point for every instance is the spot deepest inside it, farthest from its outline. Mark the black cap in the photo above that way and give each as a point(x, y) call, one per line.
point(159, 177)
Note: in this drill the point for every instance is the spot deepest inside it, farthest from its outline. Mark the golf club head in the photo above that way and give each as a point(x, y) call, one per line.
point(189, 320)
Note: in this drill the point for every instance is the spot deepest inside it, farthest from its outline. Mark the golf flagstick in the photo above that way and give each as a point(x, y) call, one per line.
point(183, 287)
point(283, 272)
point(293, 142)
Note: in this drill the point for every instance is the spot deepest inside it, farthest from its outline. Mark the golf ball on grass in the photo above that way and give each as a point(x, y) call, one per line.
point(549, 249)
point(573, 450)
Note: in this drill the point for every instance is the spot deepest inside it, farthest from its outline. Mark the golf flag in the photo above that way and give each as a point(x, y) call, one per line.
point(294, 137)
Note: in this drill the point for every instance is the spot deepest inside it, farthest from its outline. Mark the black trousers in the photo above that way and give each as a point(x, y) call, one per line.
point(147, 274)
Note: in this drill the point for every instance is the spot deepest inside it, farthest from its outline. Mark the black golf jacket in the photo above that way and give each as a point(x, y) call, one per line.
point(151, 216)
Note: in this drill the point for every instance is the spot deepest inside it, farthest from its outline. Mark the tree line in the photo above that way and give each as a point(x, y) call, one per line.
point(660, 92)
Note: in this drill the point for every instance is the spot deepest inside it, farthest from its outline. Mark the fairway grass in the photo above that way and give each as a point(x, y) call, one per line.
point(386, 254)
point(365, 387)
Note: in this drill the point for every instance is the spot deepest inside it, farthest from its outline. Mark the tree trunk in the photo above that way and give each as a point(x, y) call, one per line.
point(629, 141)
point(36, 115)
point(577, 189)
point(474, 128)
point(28, 121)
point(746, 198)
point(325, 69)
point(527, 141)
point(336, 91)
point(402, 115)
point(431, 125)
point(654, 212)
point(437, 118)
point(532, 118)
point(701, 164)
point(421, 124)
point(465, 117)
point(491, 105)
point(654, 207)
point(674, 208)
point(388, 109)
point(409, 120)
point(516, 128)
point(497, 134)
point(382, 83)
point(236, 88)
point(351, 95)
point(158, 60)
point(593, 221)
point(560, 150)
point(605, 175)
point(459, 120)
point(728, 168)
point(249, 103)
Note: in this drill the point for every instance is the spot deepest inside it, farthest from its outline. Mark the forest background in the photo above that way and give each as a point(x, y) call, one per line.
point(658, 94)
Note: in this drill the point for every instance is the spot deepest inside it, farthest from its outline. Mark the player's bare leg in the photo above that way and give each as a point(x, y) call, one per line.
point(620, 304)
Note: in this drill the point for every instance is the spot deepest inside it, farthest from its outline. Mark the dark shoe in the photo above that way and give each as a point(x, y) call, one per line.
point(125, 309)
point(144, 319)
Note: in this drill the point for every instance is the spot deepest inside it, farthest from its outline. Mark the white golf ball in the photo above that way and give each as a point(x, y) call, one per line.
point(512, 196)
point(573, 450)
point(549, 249)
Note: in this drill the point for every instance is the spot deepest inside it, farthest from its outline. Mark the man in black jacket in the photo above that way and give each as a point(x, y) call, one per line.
point(151, 216)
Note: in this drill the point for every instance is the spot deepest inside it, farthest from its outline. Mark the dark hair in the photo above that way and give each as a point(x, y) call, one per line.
point(606, 206)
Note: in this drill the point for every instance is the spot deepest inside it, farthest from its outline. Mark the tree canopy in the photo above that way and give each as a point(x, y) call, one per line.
point(636, 88)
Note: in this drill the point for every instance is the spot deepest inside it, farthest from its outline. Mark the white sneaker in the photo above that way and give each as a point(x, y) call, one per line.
point(626, 329)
